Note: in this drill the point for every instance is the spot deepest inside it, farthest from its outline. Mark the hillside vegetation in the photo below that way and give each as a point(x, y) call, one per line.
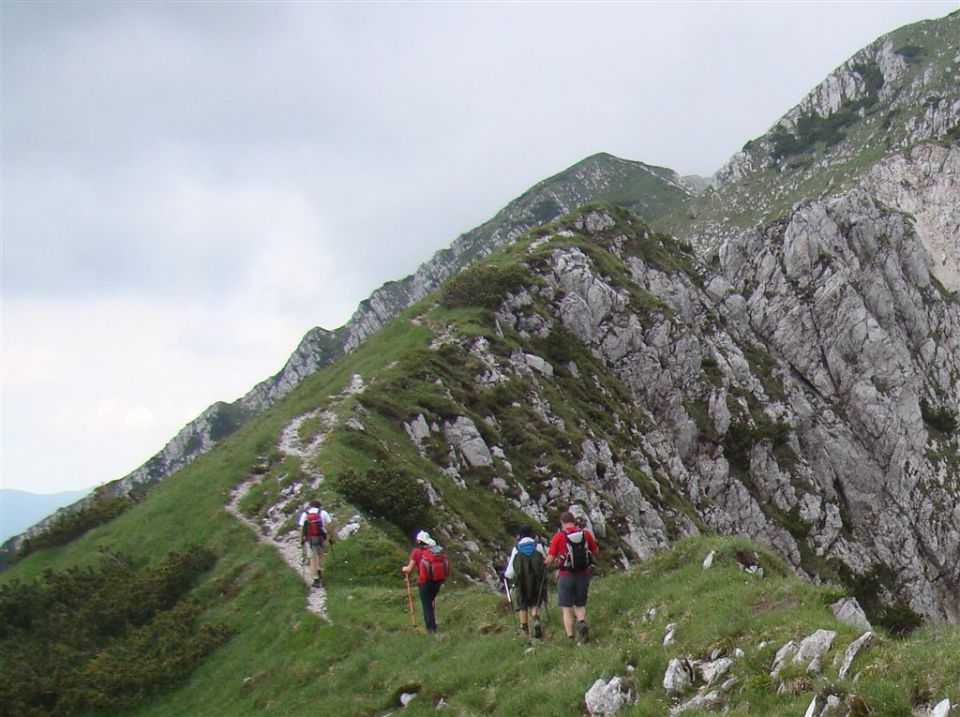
point(276, 658)
point(781, 396)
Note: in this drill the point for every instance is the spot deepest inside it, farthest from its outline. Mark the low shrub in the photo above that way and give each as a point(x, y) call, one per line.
point(72, 524)
point(102, 638)
point(389, 493)
point(483, 286)
point(939, 418)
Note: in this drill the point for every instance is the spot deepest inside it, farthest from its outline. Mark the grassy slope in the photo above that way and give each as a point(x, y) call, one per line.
point(763, 196)
point(284, 659)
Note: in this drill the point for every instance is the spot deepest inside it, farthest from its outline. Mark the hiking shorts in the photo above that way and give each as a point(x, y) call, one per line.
point(525, 602)
point(572, 589)
point(310, 550)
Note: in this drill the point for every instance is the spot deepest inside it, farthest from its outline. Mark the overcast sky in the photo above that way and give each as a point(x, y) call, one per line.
point(187, 188)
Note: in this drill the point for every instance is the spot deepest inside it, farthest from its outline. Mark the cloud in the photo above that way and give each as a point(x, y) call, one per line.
point(25, 367)
point(115, 379)
point(189, 187)
point(106, 415)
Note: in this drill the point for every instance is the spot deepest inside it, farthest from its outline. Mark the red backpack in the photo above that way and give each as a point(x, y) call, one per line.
point(313, 528)
point(434, 564)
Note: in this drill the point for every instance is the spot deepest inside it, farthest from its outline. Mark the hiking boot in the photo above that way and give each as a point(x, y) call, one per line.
point(524, 628)
point(537, 628)
point(316, 582)
point(583, 632)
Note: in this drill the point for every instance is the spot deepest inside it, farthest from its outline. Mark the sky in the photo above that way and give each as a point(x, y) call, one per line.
point(186, 188)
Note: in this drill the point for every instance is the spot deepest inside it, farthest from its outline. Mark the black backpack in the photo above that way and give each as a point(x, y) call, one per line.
point(578, 556)
point(529, 571)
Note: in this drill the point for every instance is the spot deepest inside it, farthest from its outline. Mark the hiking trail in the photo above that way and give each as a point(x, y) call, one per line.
point(287, 544)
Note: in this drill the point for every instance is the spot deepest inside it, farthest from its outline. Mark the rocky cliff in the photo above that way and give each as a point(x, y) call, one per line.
point(785, 364)
point(803, 391)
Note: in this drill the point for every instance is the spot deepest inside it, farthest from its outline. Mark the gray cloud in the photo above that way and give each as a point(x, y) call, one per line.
point(219, 177)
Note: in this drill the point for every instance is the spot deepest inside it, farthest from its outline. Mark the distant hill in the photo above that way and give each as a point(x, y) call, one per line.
point(20, 509)
point(756, 413)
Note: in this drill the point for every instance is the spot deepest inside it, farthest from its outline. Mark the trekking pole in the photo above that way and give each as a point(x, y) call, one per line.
point(413, 619)
point(540, 600)
point(303, 563)
point(510, 604)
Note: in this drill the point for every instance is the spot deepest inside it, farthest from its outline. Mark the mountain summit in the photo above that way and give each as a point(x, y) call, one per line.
point(772, 353)
point(824, 254)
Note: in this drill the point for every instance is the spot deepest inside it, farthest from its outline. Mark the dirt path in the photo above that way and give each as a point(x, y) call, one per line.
point(287, 544)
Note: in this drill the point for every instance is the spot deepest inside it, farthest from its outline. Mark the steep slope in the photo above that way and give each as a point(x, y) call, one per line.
point(859, 126)
point(21, 509)
point(801, 391)
point(598, 365)
point(651, 191)
point(899, 91)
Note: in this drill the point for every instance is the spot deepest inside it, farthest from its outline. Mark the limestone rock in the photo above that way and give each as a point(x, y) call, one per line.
point(678, 676)
point(812, 649)
point(698, 702)
point(710, 672)
point(609, 697)
point(853, 650)
point(465, 439)
point(942, 709)
point(848, 610)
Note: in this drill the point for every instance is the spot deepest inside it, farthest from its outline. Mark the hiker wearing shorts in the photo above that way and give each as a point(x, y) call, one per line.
point(572, 548)
point(527, 570)
point(426, 585)
point(316, 528)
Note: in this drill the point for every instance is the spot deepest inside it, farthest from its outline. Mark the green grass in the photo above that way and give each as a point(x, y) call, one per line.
point(478, 665)
point(282, 659)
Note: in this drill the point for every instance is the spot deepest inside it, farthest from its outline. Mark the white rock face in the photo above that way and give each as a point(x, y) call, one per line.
point(848, 610)
point(465, 439)
point(678, 677)
point(925, 182)
point(853, 650)
point(608, 698)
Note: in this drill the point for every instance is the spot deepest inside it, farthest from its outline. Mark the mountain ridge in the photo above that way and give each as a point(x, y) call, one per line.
point(661, 192)
point(757, 422)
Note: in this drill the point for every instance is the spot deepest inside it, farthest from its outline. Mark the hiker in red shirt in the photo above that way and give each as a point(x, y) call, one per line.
point(573, 549)
point(432, 567)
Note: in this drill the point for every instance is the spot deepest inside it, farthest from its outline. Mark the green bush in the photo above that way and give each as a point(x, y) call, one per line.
point(102, 639)
point(911, 52)
point(388, 493)
point(813, 129)
point(70, 525)
point(941, 419)
point(483, 286)
point(741, 437)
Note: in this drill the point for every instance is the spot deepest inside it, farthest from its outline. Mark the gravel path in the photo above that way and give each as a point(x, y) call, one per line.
point(287, 544)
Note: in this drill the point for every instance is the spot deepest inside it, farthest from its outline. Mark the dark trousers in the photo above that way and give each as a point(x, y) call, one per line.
point(428, 593)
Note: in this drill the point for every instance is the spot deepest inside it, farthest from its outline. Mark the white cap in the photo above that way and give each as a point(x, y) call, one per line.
point(424, 537)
